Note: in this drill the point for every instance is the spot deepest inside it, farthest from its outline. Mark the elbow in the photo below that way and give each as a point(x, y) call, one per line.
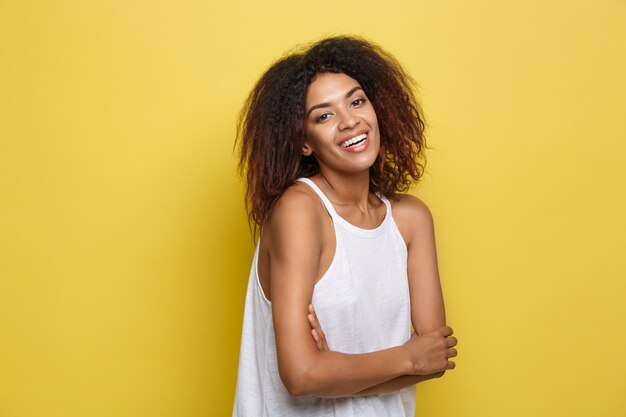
point(298, 381)
point(295, 390)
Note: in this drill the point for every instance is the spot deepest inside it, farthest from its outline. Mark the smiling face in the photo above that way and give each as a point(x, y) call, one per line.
point(341, 128)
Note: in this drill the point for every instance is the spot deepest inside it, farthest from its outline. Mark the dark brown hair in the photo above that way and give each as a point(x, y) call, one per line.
point(270, 130)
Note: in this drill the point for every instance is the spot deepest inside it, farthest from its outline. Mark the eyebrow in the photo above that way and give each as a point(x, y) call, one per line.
point(317, 106)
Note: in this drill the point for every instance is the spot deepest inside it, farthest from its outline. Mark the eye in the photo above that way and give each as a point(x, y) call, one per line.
point(358, 101)
point(323, 117)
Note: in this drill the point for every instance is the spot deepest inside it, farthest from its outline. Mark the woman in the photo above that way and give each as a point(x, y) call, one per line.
point(345, 264)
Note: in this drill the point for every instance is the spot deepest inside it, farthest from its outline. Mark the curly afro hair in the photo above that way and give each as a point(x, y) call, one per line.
point(270, 129)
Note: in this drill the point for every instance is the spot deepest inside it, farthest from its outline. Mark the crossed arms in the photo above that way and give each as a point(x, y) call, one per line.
point(305, 366)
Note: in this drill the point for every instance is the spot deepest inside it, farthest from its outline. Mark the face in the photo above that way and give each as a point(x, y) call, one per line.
point(341, 128)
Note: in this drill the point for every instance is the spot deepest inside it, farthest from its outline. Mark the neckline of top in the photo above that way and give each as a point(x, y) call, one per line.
point(345, 223)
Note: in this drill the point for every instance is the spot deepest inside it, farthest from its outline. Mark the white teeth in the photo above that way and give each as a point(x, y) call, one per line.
point(354, 140)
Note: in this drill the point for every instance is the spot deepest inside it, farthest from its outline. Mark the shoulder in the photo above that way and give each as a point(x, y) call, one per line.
point(408, 206)
point(412, 215)
point(297, 201)
point(298, 211)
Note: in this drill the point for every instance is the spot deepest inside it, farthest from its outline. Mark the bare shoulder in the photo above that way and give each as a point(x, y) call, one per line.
point(298, 200)
point(412, 216)
point(297, 211)
point(407, 207)
point(290, 238)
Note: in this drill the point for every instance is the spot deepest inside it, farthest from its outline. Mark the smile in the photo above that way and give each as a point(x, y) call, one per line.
point(355, 140)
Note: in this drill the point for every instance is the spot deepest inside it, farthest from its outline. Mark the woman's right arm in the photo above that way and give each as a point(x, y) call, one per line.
point(391, 385)
point(294, 252)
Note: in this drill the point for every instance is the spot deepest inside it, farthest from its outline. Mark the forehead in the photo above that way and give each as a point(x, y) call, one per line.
point(328, 86)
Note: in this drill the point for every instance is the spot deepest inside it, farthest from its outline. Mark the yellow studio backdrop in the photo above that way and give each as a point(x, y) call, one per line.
point(124, 248)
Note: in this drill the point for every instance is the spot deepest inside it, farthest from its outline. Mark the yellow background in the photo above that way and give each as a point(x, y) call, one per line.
point(124, 248)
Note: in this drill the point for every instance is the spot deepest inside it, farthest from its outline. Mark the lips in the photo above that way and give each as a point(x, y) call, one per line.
point(354, 141)
point(358, 146)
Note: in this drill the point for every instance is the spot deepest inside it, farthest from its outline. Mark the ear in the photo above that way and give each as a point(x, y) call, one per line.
point(306, 150)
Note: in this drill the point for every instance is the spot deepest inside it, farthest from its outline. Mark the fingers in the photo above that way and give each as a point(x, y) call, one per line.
point(312, 317)
point(452, 352)
point(316, 336)
point(451, 341)
point(316, 330)
point(312, 311)
point(445, 331)
point(442, 344)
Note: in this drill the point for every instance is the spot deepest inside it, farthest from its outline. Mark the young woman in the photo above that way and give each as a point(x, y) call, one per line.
point(345, 263)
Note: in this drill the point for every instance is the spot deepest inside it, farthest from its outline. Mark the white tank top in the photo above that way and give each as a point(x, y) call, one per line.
point(363, 305)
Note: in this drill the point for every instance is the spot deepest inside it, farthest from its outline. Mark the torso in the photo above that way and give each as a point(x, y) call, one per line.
point(351, 214)
point(361, 296)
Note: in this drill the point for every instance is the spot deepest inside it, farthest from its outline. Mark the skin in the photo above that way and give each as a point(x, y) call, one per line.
point(298, 244)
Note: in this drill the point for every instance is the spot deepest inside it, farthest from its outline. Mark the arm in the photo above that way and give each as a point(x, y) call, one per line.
point(396, 384)
point(294, 249)
point(427, 307)
point(382, 388)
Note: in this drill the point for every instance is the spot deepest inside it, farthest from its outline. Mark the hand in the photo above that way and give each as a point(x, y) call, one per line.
point(430, 352)
point(316, 330)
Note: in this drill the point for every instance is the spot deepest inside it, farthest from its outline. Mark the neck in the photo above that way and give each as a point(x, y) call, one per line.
point(346, 188)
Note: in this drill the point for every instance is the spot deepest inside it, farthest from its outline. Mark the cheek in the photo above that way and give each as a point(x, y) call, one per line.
point(369, 114)
point(374, 118)
point(319, 135)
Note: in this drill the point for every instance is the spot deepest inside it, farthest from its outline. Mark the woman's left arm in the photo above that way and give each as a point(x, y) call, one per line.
point(382, 388)
point(416, 225)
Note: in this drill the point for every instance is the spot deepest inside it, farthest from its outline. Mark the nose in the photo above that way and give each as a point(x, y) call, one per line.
point(347, 119)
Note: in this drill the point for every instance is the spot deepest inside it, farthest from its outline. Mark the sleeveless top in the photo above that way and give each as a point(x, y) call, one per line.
point(363, 305)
